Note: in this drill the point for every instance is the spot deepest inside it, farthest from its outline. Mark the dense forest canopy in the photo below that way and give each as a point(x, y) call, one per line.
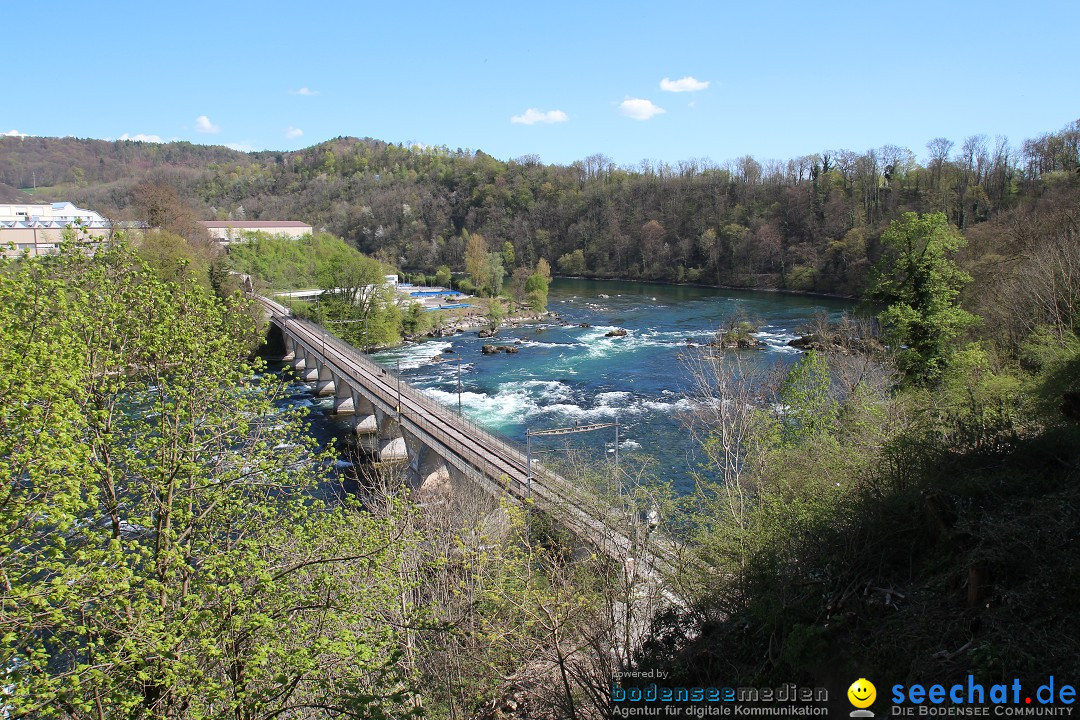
point(809, 223)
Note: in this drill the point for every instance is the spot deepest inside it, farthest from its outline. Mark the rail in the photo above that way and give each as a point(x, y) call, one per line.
point(491, 458)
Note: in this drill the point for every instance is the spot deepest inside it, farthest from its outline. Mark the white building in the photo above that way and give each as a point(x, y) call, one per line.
point(38, 228)
point(230, 231)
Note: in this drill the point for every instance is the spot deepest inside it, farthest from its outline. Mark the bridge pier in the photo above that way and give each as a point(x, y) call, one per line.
point(391, 443)
point(297, 362)
point(365, 424)
point(324, 380)
point(344, 397)
point(309, 371)
point(366, 421)
point(290, 348)
point(429, 475)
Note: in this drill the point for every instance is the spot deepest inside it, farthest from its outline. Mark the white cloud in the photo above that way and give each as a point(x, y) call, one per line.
point(241, 147)
point(140, 137)
point(304, 91)
point(203, 125)
point(533, 116)
point(639, 109)
point(14, 133)
point(686, 84)
point(292, 132)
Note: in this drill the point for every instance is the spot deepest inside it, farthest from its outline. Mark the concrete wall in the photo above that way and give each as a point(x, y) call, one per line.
point(35, 241)
point(231, 235)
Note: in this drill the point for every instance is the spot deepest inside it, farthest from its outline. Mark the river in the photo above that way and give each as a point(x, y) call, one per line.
point(565, 375)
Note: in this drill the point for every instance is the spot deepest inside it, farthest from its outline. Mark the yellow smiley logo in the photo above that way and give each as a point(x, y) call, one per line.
point(862, 693)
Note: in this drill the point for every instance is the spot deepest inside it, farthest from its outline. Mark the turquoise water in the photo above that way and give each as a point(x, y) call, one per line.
point(565, 375)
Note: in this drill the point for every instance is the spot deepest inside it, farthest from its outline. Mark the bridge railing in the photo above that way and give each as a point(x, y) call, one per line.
point(549, 487)
point(545, 480)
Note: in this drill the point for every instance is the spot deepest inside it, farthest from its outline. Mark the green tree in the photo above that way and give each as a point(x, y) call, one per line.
point(320, 260)
point(443, 276)
point(508, 256)
point(536, 292)
point(543, 268)
point(810, 409)
point(414, 320)
point(476, 259)
point(495, 272)
point(172, 256)
point(572, 263)
point(495, 314)
point(164, 551)
point(920, 284)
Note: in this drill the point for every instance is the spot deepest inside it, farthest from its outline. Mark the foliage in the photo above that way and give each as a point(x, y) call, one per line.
point(374, 322)
point(414, 320)
point(319, 260)
point(810, 411)
point(814, 220)
point(443, 277)
point(737, 333)
point(494, 273)
point(165, 552)
point(173, 257)
point(536, 291)
point(921, 286)
point(904, 532)
point(496, 312)
point(476, 254)
point(161, 207)
point(543, 268)
point(572, 263)
point(1055, 365)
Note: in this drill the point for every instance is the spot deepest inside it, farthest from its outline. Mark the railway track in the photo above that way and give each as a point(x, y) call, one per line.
point(493, 458)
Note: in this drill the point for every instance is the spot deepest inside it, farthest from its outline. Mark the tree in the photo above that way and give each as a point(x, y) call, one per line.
point(811, 411)
point(652, 243)
point(508, 254)
point(920, 284)
point(495, 314)
point(572, 263)
point(414, 320)
point(161, 206)
point(443, 276)
point(543, 268)
point(536, 292)
point(476, 259)
point(494, 273)
point(172, 257)
point(517, 283)
point(164, 550)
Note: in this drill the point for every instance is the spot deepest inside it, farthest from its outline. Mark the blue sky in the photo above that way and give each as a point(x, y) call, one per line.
point(771, 79)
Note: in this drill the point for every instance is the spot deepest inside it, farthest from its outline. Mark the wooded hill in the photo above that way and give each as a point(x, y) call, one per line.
point(810, 223)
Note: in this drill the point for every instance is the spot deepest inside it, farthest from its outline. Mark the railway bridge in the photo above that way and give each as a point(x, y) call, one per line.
point(441, 447)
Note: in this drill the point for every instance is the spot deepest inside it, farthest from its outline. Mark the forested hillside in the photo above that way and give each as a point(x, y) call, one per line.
point(809, 223)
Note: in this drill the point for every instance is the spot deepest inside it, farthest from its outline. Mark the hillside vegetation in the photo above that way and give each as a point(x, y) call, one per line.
point(809, 223)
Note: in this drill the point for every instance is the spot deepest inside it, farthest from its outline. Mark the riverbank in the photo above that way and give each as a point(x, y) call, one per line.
point(471, 321)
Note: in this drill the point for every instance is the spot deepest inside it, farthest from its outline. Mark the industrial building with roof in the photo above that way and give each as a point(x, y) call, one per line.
point(230, 231)
point(38, 228)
